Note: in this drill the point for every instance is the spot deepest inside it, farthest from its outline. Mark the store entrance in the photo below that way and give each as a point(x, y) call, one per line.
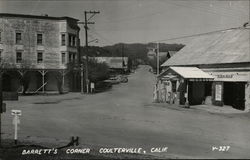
point(234, 94)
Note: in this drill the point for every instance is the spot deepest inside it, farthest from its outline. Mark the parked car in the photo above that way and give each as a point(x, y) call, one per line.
point(123, 79)
point(113, 80)
point(116, 79)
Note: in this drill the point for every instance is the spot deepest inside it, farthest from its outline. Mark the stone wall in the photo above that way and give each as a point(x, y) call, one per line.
point(30, 27)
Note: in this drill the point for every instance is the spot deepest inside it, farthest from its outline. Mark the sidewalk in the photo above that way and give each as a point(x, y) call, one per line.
point(218, 109)
point(207, 108)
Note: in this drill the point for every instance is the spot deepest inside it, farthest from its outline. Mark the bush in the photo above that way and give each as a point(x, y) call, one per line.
point(97, 71)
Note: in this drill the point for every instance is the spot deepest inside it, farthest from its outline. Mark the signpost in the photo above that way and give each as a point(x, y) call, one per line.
point(16, 121)
point(92, 87)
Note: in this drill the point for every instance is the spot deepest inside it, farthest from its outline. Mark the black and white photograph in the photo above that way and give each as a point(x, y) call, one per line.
point(124, 79)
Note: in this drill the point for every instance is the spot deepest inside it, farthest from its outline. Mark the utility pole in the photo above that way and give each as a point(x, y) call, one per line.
point(122, 51)
point(158, 59)
point(122, 55)
point(87, 57)
point(86, 22)
point(81, 69)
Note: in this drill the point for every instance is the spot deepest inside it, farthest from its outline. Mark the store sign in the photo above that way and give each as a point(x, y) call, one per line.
point(169, 77)
point(231, 76)
point(225, 76)
point(218, 92)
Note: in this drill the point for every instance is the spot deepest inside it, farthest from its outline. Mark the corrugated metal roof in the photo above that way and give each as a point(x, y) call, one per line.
point(231, 46)
point(191, 73)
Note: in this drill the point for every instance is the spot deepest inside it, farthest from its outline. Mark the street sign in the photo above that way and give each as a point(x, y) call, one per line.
point(16, 112)
point(16, 121)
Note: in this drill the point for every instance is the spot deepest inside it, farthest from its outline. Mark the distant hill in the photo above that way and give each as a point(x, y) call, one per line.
point(134, 50)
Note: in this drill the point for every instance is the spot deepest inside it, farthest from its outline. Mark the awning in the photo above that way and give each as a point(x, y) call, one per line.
point(190, 73)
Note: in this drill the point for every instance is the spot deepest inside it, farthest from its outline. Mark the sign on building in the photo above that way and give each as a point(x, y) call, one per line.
point(218, 92)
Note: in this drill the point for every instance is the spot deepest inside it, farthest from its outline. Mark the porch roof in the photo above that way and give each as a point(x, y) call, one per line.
point(192, 73)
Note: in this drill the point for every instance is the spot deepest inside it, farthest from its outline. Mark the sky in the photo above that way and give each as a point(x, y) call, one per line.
point(140, 21)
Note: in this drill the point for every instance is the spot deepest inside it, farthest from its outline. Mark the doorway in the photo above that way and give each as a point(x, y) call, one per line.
point(6, 82)
point(196, 92)
point(234, 94)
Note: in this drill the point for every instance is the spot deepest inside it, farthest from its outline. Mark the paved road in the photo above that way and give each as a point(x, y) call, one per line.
point(126, 117)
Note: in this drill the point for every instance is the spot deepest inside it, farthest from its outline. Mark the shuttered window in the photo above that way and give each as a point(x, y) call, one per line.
point(63, 57)
point(39, 39)
point(63, 39)
point(18, 37)
point(39, 57)
point(18, 57)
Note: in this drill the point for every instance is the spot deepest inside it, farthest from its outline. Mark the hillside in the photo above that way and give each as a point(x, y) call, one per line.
point(134, 51)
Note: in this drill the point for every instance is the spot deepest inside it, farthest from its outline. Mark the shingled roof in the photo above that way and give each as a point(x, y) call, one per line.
point(229, 46)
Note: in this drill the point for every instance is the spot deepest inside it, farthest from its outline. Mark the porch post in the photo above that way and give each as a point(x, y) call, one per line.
point(187, 102)
point(177, 92)
point(21, 72)
point(82, 76)
point(63, 74)
point(177, 85)
point(43, 73)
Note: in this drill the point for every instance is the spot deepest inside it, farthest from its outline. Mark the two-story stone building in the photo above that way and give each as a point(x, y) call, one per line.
point(35, 50)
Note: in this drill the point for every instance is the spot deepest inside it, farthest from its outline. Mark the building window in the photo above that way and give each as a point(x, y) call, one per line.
point(39, 39)
point(72, 57)
point(39, 57)
point(18, 38)
point(70, 40)
point(63, 57)
point(18, 57)
point(63, 40)
point(74, 40)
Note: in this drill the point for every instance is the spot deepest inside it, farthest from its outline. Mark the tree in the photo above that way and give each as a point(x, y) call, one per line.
point(153, 61)
point(97, 71)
